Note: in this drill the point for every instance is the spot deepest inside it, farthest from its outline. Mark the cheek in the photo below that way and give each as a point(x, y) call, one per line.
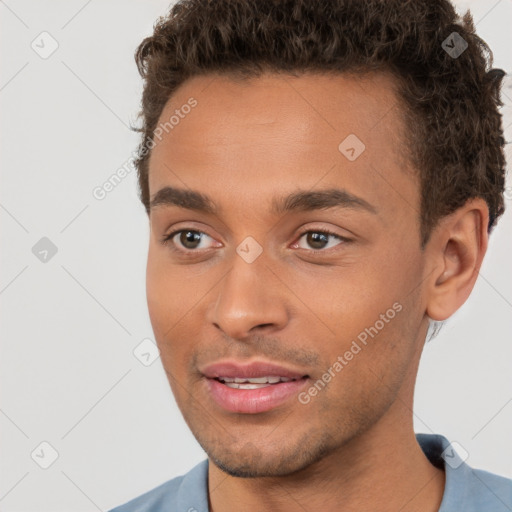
point(373, 359)
point(166, 298)
point(167, 293)
point(174, 305)
point(345, 301)
point(372, 311)
point(159, 296)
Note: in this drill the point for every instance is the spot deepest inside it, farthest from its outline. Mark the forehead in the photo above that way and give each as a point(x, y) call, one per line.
point(278, 131)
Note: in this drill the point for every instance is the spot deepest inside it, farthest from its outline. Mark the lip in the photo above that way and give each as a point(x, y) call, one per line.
point(249, 370)
point(252, 401)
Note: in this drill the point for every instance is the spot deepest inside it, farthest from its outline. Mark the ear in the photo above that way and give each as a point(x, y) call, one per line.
point(456, 249)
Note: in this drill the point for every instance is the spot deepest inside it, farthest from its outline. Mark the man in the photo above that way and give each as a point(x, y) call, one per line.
point(321, 179)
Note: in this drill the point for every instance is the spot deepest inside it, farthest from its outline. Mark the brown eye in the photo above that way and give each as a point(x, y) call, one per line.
point(190, 239)
point(319, 240)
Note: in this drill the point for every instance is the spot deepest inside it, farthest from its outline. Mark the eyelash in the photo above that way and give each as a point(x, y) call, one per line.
point(192, 252)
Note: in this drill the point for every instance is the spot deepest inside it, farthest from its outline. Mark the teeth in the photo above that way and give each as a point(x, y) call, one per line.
point(253, 380)
point(246, 385)
point(259, 380)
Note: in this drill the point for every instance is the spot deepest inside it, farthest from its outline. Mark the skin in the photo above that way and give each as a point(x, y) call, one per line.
point(352, 447)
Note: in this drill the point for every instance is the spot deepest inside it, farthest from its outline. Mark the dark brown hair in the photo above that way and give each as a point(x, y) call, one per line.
point(453, 125)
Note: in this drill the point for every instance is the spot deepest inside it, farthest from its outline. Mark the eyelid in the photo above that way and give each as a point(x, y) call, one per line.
point(320, 229)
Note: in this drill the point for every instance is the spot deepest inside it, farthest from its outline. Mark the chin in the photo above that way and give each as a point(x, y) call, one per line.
point(251, 462)
point(256, 469)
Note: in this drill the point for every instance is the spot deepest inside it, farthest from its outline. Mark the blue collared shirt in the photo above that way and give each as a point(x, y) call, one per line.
point(466, 489)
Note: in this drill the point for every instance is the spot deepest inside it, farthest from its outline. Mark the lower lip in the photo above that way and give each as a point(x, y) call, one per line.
point(253, 401)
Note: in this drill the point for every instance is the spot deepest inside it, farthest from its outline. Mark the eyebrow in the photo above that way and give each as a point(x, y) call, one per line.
point(320, 200)
point(301, 200)
point(189, 199)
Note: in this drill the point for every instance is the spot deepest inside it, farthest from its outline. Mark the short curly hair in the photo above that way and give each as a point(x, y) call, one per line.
point(450, 102)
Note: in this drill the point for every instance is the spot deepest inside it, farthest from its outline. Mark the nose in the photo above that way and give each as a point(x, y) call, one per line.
point(250, 299)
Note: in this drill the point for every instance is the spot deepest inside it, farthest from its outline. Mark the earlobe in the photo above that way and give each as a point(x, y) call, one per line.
point(457, 247)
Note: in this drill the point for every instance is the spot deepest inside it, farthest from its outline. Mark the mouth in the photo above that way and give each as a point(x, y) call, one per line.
point(252, 388)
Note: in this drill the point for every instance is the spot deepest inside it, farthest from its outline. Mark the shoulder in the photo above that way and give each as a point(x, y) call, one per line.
point(186, 492)
point(159, 498)
point(487, 491)
point(466, 488)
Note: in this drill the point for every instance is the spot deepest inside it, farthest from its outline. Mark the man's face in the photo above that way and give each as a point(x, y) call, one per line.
point(221, 308)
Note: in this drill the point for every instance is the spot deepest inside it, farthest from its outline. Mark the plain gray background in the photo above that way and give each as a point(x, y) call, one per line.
point(72, 320)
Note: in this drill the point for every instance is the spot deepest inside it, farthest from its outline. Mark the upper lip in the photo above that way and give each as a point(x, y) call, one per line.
point(249, 370)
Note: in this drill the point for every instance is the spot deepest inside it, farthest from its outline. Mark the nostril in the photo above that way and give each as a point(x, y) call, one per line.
point(261, 326)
